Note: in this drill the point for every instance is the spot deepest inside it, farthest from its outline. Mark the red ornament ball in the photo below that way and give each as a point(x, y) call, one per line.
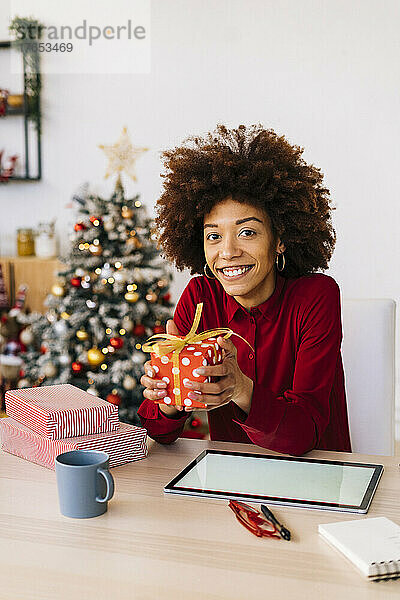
point(77, 367)
point(114, 399)
point(117, 343)
point(43, 349)
point(166, 297)
point(139, 330)
point(79, 227)
point(76, 282)
point(95, 220)
point(158, 329)
point(195, 423)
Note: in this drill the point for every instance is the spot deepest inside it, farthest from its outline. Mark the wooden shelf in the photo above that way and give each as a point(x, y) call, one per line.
point(37, 273)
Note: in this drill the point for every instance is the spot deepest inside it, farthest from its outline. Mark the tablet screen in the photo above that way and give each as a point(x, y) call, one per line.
point(274, 479)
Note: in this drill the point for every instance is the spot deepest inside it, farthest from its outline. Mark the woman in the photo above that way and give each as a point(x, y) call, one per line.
point(242, 207)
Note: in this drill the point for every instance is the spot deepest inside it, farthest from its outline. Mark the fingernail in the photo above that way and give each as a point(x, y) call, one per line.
point(194, 395)
point(188, 384)
point(161, 394)
point(200, 371)
point(162, 384)
point(150, 373)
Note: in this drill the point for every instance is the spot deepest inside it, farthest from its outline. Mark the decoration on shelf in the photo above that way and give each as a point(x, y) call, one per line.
point(95, 357)
point(31, 56)
point(15, 101)
point(25, 242)
point(45, 240)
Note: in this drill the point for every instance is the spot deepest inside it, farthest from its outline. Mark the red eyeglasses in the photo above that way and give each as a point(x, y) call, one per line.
point(253, 520)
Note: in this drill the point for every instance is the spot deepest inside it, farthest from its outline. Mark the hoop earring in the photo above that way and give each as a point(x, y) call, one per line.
point(205, 272)
point(283, 261)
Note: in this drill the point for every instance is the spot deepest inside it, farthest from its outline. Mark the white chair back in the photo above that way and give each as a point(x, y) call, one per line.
point(368, 356)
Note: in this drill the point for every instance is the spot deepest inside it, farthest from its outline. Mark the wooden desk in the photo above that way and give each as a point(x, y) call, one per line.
point(150, 545)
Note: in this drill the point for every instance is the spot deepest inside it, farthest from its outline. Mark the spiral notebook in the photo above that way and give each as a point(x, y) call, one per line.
point(372, 545)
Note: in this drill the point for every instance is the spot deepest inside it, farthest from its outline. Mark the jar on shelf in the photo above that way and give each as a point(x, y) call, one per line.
point(25, 242)
point(45, 240)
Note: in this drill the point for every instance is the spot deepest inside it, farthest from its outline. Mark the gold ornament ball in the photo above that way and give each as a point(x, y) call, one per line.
point(95, 357)
point(82, 335)
point(96, 250)
point(131, 297)
point(126, 212)
point(58, 290)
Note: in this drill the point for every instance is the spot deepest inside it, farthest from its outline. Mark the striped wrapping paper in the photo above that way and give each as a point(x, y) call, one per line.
point(61, 411)
point(123, 446)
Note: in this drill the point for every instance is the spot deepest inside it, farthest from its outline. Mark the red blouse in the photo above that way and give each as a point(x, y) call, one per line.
point(299, 400)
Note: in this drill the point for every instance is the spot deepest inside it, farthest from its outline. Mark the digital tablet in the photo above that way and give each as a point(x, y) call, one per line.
point(292, 481)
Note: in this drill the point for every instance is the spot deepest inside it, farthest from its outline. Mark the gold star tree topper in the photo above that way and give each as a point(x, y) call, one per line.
point(122, 156)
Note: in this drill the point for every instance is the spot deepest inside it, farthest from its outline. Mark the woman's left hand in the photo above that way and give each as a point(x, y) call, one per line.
point(232, 385)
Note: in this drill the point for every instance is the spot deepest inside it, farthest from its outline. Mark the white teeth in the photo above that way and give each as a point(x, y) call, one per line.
point(235, 272)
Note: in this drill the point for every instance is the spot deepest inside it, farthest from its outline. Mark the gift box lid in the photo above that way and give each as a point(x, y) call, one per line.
point(60, 411)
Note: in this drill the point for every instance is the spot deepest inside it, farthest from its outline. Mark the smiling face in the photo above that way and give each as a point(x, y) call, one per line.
point(241, 251)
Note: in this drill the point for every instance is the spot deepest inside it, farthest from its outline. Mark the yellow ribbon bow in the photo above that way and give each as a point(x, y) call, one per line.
point(175, 344)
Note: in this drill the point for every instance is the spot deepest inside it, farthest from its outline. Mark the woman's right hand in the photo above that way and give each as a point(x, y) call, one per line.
point(154, 388)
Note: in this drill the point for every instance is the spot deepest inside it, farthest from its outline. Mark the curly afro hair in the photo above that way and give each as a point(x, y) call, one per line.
point(254, 166)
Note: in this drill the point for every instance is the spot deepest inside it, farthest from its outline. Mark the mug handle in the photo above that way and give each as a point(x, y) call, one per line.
point(109, 483)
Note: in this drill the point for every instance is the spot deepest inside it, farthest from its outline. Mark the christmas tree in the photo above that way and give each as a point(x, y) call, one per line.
point(112, 295)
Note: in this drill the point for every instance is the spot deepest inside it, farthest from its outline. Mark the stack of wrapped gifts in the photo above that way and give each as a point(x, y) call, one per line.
point(44, 422)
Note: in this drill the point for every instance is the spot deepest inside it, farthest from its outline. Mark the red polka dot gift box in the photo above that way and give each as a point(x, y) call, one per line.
point(175, 359)
point(175, 375)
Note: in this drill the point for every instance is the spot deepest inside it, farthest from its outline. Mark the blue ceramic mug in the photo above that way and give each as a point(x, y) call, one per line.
point(85, 484)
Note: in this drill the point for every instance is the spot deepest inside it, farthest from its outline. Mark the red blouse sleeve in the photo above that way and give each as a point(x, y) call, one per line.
point(160, 427)
point(294, 422)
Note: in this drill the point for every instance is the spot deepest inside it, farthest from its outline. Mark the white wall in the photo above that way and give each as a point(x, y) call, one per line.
point(323, 72)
